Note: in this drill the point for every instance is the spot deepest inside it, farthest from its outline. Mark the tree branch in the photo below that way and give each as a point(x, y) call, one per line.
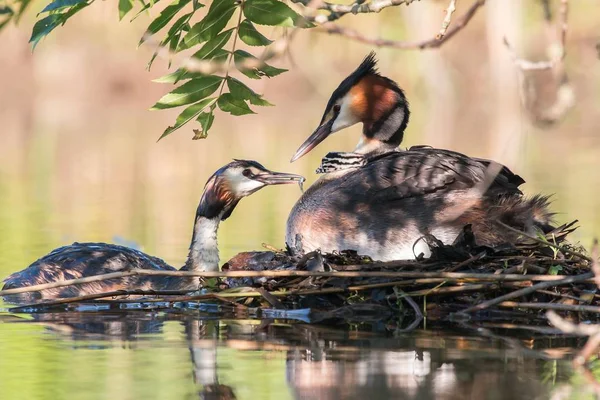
point(420, 45)
point(336, 11)
point(565, 98)
point(446, 23)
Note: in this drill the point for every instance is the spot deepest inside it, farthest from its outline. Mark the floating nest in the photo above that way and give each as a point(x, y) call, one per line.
point(515, 282)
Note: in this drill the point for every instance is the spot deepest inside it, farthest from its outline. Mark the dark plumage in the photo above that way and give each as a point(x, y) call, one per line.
point(79, 260)
point(223, 190)
point(382, 204)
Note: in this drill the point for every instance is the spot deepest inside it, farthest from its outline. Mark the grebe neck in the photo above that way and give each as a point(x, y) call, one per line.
point(204, 250)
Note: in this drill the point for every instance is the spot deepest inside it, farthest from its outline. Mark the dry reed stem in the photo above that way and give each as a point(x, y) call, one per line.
point(561, 248)
point(526, 291)
point(551, 306)
point(453, 276)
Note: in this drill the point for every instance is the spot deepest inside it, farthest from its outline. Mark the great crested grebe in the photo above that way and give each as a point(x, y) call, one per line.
point(222, 192)
point(380, 200)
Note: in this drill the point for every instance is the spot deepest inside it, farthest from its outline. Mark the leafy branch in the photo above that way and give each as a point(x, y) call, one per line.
point(199, 91)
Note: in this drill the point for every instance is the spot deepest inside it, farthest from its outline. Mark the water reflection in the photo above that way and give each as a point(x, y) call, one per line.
point(224, 359)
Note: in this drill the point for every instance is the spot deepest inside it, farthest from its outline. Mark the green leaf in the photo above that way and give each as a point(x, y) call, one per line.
point(190, 92)
point(124, 7)
point(164, 18)
point(271, 12)
point(60, 4)
point(555, 269)
point(206, 120)
point(254, 72)
point(234, 106)
point(173, 36)
point(251, 36)
point(44, 26)
point(188, 114)
point(216, 19)
point(173, 77)
point(210, 49)
point(144, 8)
point(6, 10)
point(241, 91)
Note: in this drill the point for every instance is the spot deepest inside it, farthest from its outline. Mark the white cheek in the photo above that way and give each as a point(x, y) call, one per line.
point(242, 186)
point(246, 187)
point(345, 117)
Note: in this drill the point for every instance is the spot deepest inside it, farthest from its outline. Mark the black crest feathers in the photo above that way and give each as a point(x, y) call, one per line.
point(367, 67)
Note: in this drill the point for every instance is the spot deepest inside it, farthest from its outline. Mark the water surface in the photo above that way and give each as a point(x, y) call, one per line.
point(192, 355)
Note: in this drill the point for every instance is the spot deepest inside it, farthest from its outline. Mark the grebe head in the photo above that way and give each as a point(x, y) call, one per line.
point(238, 179)
point(367, 97)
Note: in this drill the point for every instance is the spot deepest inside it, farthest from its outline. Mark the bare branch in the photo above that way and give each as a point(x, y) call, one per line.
point(571, 328)
point(565, 98)
point(336, 11)
point(420, 45)
point(557, 56)
point(446, 23)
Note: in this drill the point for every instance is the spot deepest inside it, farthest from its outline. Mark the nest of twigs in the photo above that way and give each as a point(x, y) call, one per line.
point(514, 281)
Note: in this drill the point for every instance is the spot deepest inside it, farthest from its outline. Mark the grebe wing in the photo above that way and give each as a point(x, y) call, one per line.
point(422, 171)
point(84, 259)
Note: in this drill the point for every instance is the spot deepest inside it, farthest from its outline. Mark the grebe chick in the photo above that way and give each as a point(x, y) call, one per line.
point(379, 200)
point(222, 192)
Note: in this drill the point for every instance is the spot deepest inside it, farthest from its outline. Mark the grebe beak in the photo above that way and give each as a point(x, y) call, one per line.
point(317, 137)
point(278, 178)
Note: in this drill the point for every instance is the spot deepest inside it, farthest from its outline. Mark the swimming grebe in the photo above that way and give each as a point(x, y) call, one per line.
point(379, 200)
point(222, 192)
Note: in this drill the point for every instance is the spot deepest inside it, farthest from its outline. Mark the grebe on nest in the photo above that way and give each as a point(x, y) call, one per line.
point(222, 192)
point(380, 201)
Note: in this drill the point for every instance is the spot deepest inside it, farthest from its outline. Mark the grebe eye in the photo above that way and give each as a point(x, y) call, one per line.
point(247, 172)
point(336, 108)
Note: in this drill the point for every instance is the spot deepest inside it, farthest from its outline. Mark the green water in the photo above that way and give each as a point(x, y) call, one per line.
point(79, 162)
point(168, 356)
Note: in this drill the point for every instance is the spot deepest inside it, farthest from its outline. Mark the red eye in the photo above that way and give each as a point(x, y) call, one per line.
point(247, 172)
point(336, 108)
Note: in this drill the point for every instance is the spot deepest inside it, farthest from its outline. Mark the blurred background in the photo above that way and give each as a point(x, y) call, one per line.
point(79, 159)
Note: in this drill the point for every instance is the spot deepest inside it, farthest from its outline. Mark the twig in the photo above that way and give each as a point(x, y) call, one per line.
point(452, 289)
point(565, 98)
point(526, 291)
point(336, 11)
point(97, 296)
point(449, 11)
point(569, 327)
point(539, 329)
point(272, 300)
point(556, 58)
point(420, 45)
point(561, 295)
point(452, 276)
point(593, 331)
point(551, 306)
point(415, 307)
point(595, 264)
point(563, 249)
